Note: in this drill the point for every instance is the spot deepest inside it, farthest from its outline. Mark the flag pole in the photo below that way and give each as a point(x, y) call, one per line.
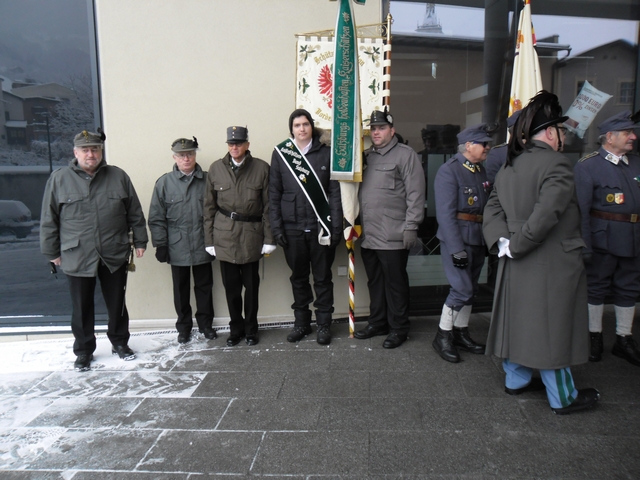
point(346, 134)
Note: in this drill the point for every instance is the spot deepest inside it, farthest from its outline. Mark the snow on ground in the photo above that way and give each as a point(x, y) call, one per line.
point(154, 351)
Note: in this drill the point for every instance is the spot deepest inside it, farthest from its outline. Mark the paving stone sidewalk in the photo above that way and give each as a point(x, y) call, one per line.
point(350, 410)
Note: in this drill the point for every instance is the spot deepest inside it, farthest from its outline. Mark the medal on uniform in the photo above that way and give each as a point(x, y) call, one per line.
point(610, 198)
point(619, 198)
point(470, 201)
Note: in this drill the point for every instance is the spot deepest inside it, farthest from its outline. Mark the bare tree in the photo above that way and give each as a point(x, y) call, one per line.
point(76, 114)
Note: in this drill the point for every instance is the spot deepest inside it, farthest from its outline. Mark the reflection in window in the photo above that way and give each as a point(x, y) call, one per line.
point(46, 64)
point(625, 93)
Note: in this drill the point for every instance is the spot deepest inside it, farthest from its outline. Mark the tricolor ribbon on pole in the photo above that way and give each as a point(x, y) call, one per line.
point(526, 81)
point(346, 135)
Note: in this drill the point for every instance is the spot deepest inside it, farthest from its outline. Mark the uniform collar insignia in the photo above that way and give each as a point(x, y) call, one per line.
point(617, 159)
point(472, 167)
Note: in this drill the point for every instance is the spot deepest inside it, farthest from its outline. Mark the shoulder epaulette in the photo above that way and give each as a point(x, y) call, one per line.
point(501, 145)
point(593, 154)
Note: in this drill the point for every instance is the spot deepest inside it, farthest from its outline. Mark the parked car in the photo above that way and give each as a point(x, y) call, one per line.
point(15, 218)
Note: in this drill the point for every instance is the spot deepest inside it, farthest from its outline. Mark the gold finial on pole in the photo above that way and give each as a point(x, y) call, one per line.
point(389, 22)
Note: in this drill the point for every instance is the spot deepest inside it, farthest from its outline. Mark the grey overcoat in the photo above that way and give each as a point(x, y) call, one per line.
point(539, 315)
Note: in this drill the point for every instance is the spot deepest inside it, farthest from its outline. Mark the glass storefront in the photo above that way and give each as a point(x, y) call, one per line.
point(48, 74)
point(451, 68)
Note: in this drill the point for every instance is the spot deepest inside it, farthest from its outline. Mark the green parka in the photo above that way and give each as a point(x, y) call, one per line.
point(175, 217)
point(87, 219)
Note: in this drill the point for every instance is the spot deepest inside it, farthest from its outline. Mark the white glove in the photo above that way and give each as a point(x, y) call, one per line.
point(211, 251)
point(268, 249)
point(503, 248)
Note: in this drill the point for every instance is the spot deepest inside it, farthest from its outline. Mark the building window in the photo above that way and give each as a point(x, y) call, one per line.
point(625, 92)
point(40, 137)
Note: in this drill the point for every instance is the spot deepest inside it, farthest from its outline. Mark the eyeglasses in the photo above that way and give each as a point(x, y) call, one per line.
point(185, 154)
point(484, 144)
point(564, 130)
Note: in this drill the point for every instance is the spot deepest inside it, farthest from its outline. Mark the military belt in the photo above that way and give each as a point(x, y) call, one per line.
point(239, 217)
point(469, 217)
point(618, 217)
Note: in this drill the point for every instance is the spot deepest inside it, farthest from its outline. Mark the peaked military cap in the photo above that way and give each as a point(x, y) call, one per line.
point(89, 139)
point(381, 118)
point(237, 135)
point(621, 121)
point(184, 145)
point(477, 133)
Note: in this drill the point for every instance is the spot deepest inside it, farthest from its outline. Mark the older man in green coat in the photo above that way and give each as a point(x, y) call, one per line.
point(532, 221)
point(177, 231)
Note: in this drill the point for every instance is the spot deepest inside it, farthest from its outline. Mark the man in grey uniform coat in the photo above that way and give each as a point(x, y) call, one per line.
point(532, 219)
point(175, 221)
point(461, 192)
point(608, 186)
point(391, 209)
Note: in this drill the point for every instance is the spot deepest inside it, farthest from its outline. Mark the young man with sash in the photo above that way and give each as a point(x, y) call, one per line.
point(306, 221)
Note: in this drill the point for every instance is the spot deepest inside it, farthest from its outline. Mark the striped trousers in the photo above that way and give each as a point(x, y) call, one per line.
point(561, 391)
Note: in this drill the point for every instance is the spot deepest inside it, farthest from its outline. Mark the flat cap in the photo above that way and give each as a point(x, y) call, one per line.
point(477, 133)
point(621, 121)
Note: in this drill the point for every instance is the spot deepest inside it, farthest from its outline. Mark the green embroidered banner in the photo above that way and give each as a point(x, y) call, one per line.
point(345, 134)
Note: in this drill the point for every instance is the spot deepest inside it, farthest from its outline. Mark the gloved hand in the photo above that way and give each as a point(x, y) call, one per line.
point(162, 254)
point(211, 251)
point(586, 256)
point(409, 238)
point(335, 239)
point(503, 248)
point(267, 249)
point(282, 240)
point(460, 259)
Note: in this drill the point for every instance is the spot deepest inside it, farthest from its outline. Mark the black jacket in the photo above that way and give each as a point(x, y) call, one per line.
point(289, 208)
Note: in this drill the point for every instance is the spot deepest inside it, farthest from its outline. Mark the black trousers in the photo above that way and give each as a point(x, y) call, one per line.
point(306, 256)
point(203, 289)
point(234, 277)
point(388, 284)
point(83, 310)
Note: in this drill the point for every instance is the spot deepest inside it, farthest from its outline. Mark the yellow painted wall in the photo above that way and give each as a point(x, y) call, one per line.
point(182, 68)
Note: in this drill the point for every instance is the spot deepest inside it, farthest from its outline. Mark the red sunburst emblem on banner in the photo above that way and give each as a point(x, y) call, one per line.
point(325, 83)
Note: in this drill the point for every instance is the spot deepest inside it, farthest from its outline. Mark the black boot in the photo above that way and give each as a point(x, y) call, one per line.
point(596, 346)
point(443, 344)
point(463, 340)
point(323, 320)
point(627, 348)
